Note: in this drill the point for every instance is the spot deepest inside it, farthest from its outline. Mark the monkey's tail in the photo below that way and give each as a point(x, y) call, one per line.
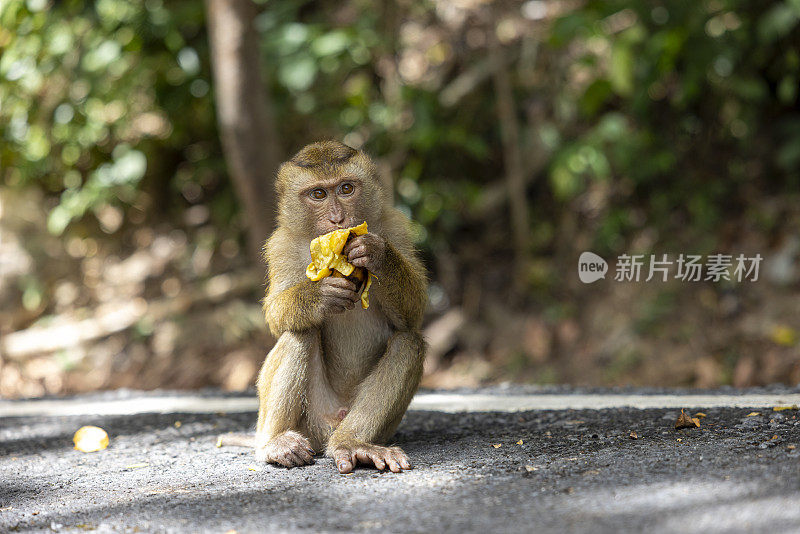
point(236, 440)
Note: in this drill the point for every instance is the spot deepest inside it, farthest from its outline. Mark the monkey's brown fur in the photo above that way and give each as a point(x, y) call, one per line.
point(339, 377)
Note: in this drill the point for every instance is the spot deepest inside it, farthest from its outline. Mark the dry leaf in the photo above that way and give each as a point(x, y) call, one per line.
point(634, 435)
point(519, 442)
point(782, 408)
point(90, 439)
point(177, 424)
point(327, 258)
point(700, 414)
point(497, 445)
point(791, 447)
point(136, 466)
point(753, 414)
point(684, 421)
point(530, 468)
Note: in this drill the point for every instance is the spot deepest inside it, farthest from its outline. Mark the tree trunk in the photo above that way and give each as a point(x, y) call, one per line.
point(245, 117)
point(512, 155)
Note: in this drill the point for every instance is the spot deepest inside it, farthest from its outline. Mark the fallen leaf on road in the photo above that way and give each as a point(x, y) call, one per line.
point(90, 439)
point(177, 424)
point(782, 408)
point(700, 414)
point(753, 414)
point(791, 447)
point(530, 468)
point(136, 466)
point(634, 435)
point(519, 442)
point(686, 421)
point(497, 445)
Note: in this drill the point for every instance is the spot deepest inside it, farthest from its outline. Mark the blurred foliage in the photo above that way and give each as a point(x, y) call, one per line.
point(646, 114)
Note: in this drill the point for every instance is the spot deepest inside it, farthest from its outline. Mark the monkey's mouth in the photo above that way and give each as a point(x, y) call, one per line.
point(332, 227)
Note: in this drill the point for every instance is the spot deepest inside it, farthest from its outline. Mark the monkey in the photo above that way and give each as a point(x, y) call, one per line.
point(339, 378)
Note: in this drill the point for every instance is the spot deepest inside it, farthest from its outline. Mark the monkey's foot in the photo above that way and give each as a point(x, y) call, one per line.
point(348, 456)
point(289, 449)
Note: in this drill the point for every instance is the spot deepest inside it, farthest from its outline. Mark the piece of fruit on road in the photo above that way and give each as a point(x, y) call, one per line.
point(90, 439)
point(327, 259)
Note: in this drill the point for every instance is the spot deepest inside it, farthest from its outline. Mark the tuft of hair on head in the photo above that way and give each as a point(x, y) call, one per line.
point(324, 154)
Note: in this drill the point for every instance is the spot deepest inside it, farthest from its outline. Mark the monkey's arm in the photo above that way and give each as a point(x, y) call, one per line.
point(293, 309)
point(401, 289)
point(294, 303)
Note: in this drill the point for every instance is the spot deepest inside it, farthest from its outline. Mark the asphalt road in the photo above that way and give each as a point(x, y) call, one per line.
point(531, 471)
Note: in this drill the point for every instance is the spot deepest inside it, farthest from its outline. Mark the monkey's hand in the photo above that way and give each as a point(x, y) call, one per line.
point(368, 251)
point(349, 454)
point(337, 295)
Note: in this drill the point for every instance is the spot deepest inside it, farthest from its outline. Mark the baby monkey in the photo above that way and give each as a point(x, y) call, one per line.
point(339, 378)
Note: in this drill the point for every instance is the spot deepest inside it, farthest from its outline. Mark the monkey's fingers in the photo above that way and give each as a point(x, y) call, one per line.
point(345, 462)
point(357, 252)
point(361, 261)
point(351, 244)
point(301, 445)
point(341, 293)
point(394, 465)
point(400, 457)
point(371, 456)
point(343, 283)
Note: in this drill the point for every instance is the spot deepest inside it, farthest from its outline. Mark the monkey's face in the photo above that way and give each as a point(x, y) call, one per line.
point(334, 203)
point(327, 186)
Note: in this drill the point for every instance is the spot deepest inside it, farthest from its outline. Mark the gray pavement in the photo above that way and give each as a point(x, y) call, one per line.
point(576, 470)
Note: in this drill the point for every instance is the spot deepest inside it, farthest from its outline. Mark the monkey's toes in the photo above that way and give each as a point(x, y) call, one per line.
point(346, 458)
point(289, 449)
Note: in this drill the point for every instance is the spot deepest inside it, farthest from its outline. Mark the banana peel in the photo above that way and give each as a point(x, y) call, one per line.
point(327, 259)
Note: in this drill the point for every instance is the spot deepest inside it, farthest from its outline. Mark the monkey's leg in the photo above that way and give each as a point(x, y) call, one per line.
point(282, 384)
point(324, 409)
point(379, 405)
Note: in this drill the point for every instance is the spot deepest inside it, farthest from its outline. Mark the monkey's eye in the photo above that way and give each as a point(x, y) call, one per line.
point(346, 188)
point(318, 194)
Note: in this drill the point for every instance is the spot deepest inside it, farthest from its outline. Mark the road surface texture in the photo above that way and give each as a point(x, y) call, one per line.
point(614, 468)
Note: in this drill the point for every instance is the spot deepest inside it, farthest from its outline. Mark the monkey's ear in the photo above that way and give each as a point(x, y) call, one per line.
point(282, 178)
